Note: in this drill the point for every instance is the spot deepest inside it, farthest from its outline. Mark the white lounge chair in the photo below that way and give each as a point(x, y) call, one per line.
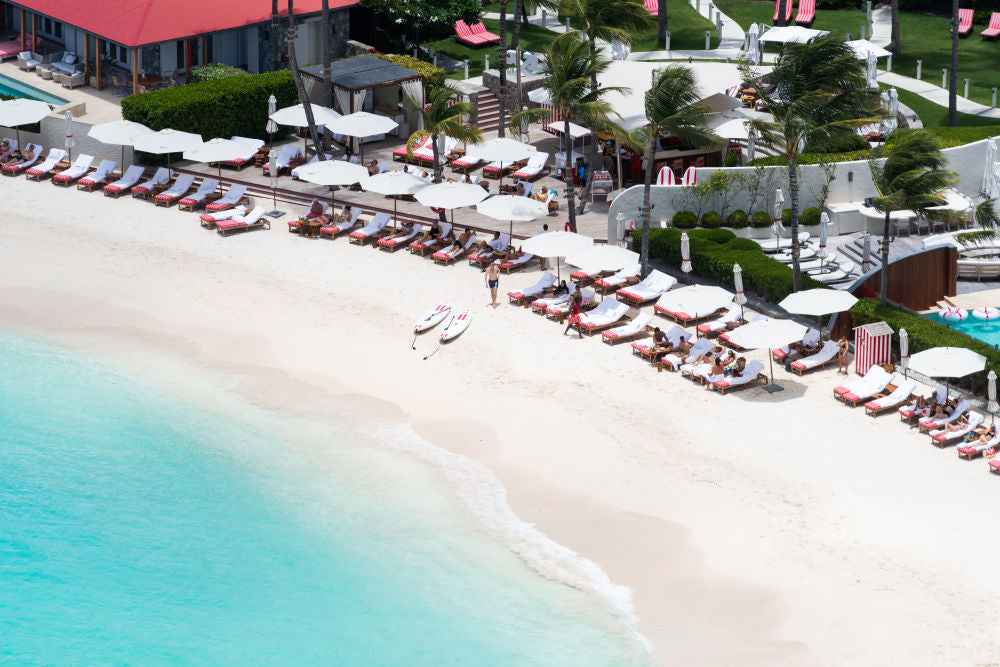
point(56, 155)
point(826, 355)
point(810, 339)
point(239, 223)
point(232, 197)
point(494, 246)
point(607, 313)
point(180, 188)
point(393, 244)
point(372, 230)
point(631, 329)
point(197, 198)
point(535, 166)
point(731, 316)
point(209, 220)
point(448, 256)
point(841, 274)
point(973, 448)
point(942, 437)
point(79, 167)
point(253, 145)
point(772, 245)
point(539, 305)
point(287, 153)
point(125, 183)
point(510, 265)
point(674, 362)
point(619, 279)
point(752, 373)
point(12, 169)
point(674, 335)
point(333, 229)
point(872, 383)
point(99, 178)
point(898, 397)
point(559, 310)
point(162, 176)
point(931, 424)
point(650, 288)
point(544, 282)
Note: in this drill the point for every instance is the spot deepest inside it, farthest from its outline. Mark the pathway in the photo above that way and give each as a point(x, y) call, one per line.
point(936, 94)
point(731, 40)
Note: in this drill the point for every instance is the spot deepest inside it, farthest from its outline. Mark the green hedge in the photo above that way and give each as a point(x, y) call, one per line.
point(433, 76)
point(737, 219)
point(715, 251)
point(684, 220)
point(924, 333)
point(810, 158)
point(214, 72)
point(760, 220)
point(810, 216)
point(711, 220)
point(232, 106)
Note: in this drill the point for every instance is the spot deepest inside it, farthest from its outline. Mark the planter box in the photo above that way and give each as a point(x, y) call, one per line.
point(742, 233)
point(760, 232)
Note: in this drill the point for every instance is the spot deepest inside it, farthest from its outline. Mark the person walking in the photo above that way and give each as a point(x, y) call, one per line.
point(493, 280)
point(574, 313)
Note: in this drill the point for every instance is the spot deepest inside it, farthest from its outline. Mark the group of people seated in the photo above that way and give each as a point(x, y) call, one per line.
point(318, 213)
point(928, 407)
point(15, 157)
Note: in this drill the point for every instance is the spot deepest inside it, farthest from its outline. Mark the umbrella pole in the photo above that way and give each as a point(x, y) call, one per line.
point(618, 153)
point(771, 388)
point(123, 158)
point(395, 204)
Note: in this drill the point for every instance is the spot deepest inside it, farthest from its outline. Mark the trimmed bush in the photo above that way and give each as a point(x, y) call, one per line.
point(685, 220)
point(737, 219)
point(843, 142)
point(810, 217)
point(925, 333)
point(214, 72)
point(235, 105)
point(810, 158)
point(433, 76)
point(715, 251)
point(711, 220)
point(786, 217)
point(760, 219)
point(731, 160)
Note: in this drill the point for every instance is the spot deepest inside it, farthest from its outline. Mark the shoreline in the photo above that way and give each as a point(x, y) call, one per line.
point(752, 549)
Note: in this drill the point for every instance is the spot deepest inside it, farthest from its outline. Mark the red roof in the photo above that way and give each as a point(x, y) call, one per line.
point(142, 22)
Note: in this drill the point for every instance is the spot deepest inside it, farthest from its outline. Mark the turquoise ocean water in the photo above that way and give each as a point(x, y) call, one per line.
point(138, 529)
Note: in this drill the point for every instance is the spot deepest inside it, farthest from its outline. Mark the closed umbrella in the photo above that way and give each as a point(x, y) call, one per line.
point(272, 168)
point(779, 228)
point(872, 70)
point(866, 252)
point(741, 298)
point(768, 333)
point(557, 244)
point(362, 124)
point(69, 135)
point(750, 144)
point(168, 141)
point(904, 350)
point(824, 222)
point(272, 105)
point(686, 254)
point(218, 151)
point(620, 219)
point(119, 132)
point(991, 394)
point(989, 179)
point(22, 111)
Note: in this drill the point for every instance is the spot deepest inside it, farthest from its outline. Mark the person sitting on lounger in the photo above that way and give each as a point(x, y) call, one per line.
point(430, 235)
point(519, 190)
point(4, 151)
point(562, 289)
point(960, 424)
point(459, 246)
point(729, 360)
point(315, 213)
point(345, 215)
point(17, 157)
point(985, 437)
point(939, 412)
point(467, 179)
point(736, 370)
point(405, 230)
point(490, 246)
point(372, 168)
point(717, 373)
point(659, 338)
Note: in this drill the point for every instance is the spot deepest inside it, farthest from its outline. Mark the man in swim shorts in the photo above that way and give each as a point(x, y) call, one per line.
point(493, 280)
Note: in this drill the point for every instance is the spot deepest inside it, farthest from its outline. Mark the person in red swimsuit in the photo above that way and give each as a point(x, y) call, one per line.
point(574, 313)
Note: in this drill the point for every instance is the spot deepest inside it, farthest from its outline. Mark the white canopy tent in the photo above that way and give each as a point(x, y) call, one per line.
point(791, 34)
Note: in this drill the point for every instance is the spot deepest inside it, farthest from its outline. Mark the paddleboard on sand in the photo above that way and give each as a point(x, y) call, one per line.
point(456, 326)
point(432, 317)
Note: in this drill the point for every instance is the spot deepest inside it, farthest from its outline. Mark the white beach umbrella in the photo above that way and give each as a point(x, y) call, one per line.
point(947, 362)
point(451, 195)
point(866, 252)
point(167, 141)
point(685, 253)
point(272, 105)
point(120, 133)
point(512, 207)
point(393, 184)
point(991, 393)
point(824, 222)
point(863, 47)
point(362, 124)
point(216, 150)
point(740, 297)
point(69, 136)
point(872, 70)
point(332, 172)
point(557, 244)
point(502, 150)
point(904, 350)
point(778, 227)
point(767, 333)
point(696, 300)
point(296, 115)
point(794, 34)
point(819, 301)
point(540, 96)
point(22, 111)
point(604, 257)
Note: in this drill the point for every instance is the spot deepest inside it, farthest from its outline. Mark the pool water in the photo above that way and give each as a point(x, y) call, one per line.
point(987, 331)
point(15, 88)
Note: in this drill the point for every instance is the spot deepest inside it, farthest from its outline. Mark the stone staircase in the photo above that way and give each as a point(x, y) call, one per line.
point(487, 111)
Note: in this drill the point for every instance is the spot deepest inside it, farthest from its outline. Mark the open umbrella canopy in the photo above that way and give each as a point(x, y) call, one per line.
point(767, 333)
point(791, 34)
point(947, 362)
point(216, 150)
point(296, 115)
point(450, 195)
point(119, 132)
point(818, 302)
point(168, 141)
point(511, 207)
point(500, 150)
point(362, 124)
point(333, 172)
point(696, 300)
point(862, 47)
point(22, 111)
point(575, 131)
point(393, 183)
point(557, 244)
point(604, 257)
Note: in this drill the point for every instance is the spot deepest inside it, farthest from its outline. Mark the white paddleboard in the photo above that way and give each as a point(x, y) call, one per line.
point(432, 317)
point(456, 326)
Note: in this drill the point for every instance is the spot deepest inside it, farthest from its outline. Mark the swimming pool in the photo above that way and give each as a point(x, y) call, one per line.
point(987, 331)
point(9, 86)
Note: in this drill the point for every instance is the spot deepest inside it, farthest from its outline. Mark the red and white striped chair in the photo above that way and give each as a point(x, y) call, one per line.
point(788, 9)
point(993, 29)
point(807, 12)
point(964, 22)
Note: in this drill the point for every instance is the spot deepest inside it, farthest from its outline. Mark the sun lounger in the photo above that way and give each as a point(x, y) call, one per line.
point(539, 305)
point(772, 245)
point(466, 163)
point(608, 313)
point(788, 10)
point(932, 424)
point(810, 340)
point(498, 169)
point(55, 156)
point(673, 362)
point(964, 22)
point(430, 245)
point(200, 197)
point(180, 188)
point(474, 34)
point(728, 320)
point(682, 317)
point(973, 449)
point(870, 385)
point(333, 229)
point(238, 223)
point(649, 289)
point(752, 374)
point(286, 155)
point(544, 282)
point(400, 154)
point(425, 154)
point(446, 257)
point(536, 167)
point(209, 220)
point(11, 48)
point(158, 183)
point(559, 311)
point(80, 166)
point(899, 396)
point(639, 326)
point(942, 437)
point(647, 350)
point(482, 257)
point(627, 276)
point(807, 12)
point(826, 356)
point(373, 230)
point(993, 29)
point(994, 466)
point(508, 266)
point(392, 245)
point(99, 178)
point(911, 415)
point(14, 169)
point(253, 145)
point(232, 197)
point(125, 183)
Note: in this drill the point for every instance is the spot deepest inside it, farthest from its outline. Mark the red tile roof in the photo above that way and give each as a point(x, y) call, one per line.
point(142, 22)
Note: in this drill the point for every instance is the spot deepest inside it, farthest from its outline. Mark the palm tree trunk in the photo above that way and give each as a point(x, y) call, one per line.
point(594, 141)
point(515, 43)
point(502, 53)
point(953, 78)
point(793, 187)
point(662, 25)
point(883, 288)
point(568, 176)
point(275, 36)
point(894, 39)
point(781, 13)
point(646, 188)
point(524, 13)
point(293, 62)
point(437, 158)
point(327, 57)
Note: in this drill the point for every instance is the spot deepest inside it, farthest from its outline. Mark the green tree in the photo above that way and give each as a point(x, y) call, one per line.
point(819, 92)
point(609, 21)
point(441, 113)
point(569, 69)
point(672, 107)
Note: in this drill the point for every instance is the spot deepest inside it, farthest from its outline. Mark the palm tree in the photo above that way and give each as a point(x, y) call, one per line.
point(569, 69)
point(607, 20)
point(953, 76)
point(672, 107)
point(909, 174)
point(327, 58)
point(662, 24)
point(820, 92)
point(894, 39)
point(441, 113)
point(303, 97)
point(781, 12)
point(502, 54)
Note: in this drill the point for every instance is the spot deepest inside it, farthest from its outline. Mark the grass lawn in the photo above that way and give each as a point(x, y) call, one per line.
point(746, 12)
point(532, 38)
point(935, 115)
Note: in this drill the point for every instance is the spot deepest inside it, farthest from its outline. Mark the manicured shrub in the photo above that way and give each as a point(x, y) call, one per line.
point(214, 72)
point(760, 219)
point(737, 219)
point(433, 76)
point(711, 220)
point(685, 220)
point(810, 217)
point(786, 217)
point(731, 160)
point(842, 142)
point(810, 158)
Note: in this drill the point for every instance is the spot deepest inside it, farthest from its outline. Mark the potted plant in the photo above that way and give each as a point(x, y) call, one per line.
point(810, 220)
point(739, 222)
point(760, 225)
point(684, 220)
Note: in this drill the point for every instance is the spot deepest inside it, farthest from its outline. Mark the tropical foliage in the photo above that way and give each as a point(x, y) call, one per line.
point(441, 114)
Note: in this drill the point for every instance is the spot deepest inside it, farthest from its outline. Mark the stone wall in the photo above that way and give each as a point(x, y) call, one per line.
point(491, 80)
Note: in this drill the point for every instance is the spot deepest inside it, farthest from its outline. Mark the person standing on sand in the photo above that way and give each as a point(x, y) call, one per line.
point(574, 314)
point(493, 280)
point(842, 356)
point(545, 230)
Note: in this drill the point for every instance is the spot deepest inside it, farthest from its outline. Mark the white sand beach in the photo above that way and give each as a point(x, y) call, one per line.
point(752, 529)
